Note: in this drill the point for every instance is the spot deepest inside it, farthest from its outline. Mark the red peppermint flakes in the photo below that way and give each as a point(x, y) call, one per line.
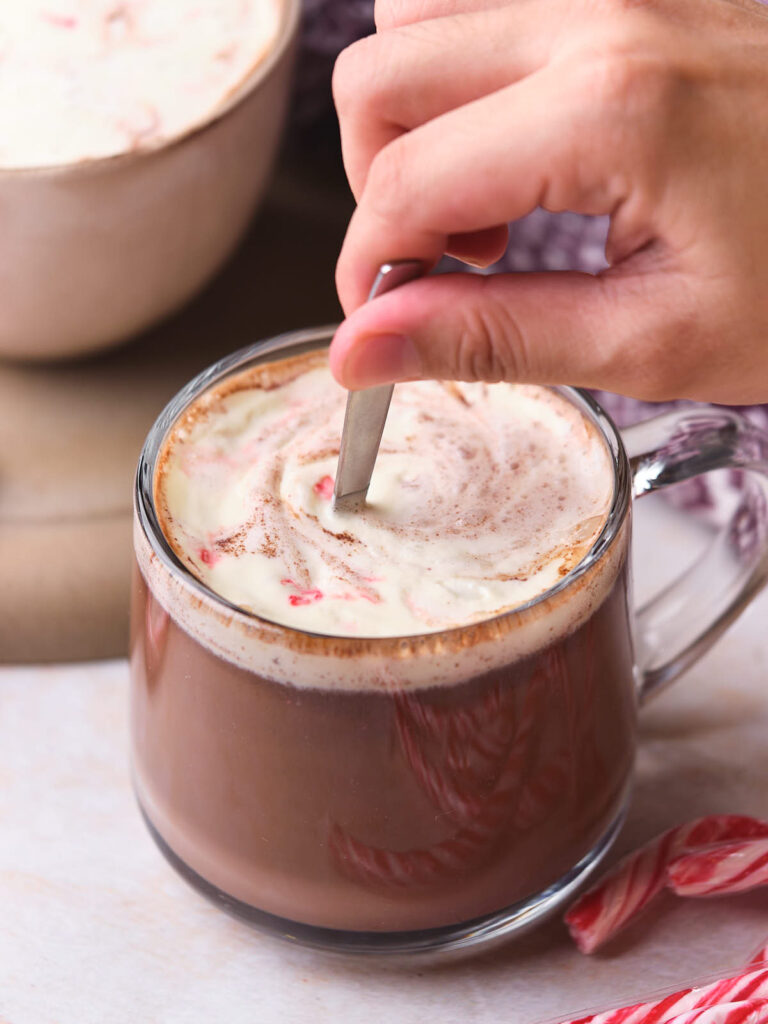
point(324, 487)
point(59, 20)
point(208, 557)
point(305, 597)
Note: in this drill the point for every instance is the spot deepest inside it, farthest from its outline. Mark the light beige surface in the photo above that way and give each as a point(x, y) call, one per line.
point(98, 930)
point(70, 433)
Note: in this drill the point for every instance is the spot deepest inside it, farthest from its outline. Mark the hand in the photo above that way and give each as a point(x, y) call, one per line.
point(653, 111)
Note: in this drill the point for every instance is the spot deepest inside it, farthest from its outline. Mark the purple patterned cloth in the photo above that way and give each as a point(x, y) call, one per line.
point(540, 241)
point(327, 27)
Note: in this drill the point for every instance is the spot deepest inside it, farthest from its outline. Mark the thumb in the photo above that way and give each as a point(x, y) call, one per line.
point(608, 332)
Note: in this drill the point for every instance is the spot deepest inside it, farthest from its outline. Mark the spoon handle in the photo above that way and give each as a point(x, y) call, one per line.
point(366, 411)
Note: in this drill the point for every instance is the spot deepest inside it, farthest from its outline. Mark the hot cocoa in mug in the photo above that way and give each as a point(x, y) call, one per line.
point(410, 728)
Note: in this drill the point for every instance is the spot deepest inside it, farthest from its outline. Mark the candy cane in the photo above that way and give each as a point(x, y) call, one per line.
point(719, 870)
point(598, 914)
point(750, 1011)
point(540, 793)
point(470, 724)
point(751, 986)
point(481, 815)
point(444, 793)
point(461, 793)
point(373, 865)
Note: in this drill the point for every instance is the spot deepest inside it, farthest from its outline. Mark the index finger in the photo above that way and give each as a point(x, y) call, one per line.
point(535, 143)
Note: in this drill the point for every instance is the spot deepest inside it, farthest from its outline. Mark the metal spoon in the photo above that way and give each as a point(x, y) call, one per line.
point(366, 411)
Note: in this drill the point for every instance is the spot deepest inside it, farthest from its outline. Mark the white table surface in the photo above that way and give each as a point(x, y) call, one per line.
point(95, 928)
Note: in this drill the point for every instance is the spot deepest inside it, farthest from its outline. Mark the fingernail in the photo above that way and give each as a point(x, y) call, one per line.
point(472, 262)
point(381, 359)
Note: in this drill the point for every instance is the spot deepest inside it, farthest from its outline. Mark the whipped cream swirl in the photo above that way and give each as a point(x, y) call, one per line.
point(483, 497)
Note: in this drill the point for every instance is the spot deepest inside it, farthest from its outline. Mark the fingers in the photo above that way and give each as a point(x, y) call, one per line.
point(387, 84)
point(603, 332)
point(396, 13)
point(479, 248)
point(489, 162)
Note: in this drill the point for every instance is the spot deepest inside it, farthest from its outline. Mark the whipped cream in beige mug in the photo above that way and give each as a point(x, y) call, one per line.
point(93, 78)
point(136, 138)
point(411, 729)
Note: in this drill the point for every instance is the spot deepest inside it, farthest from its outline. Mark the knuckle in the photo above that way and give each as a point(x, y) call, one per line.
point(625, 61)
point(387, 185)
point(366, 80)
point(632, 81)
point(611, 80)
point(350, 74)
point(490, 346)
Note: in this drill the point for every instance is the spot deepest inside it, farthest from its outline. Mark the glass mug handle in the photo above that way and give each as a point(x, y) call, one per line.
point(683, 621)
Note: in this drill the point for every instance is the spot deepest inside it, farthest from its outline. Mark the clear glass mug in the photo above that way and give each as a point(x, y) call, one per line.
point(425, 793)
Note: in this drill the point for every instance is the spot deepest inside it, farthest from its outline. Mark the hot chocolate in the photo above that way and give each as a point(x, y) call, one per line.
point(439, 748)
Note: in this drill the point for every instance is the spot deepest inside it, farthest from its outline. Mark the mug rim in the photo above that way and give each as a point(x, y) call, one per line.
point(296, 342)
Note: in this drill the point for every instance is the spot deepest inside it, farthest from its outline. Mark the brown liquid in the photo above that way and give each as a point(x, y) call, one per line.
point(376, 811)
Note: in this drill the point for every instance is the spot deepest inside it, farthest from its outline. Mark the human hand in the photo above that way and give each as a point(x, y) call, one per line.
point(456, 122)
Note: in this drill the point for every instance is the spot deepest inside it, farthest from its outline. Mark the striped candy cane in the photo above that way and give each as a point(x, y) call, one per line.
point(606, 908)
point(751, 987)
point(540, 793)
point(371, 865)
point(750, 1011)
point(719, 870)
point(482, 814)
